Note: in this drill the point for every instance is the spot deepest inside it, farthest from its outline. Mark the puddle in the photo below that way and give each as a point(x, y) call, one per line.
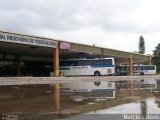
point(81, 98)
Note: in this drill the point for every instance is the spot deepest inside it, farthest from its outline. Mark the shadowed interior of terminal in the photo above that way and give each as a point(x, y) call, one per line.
point(25, 58)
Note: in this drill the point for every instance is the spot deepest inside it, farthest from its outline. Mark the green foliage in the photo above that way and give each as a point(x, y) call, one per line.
point(141, 45)
point(156, 58)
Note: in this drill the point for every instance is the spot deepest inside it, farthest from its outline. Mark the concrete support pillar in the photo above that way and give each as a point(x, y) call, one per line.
point(57, 97)
point(56, 61)
point(130, 66)
point(102, 53)
point(56, 74)
point(131, 74)
point(150, 60)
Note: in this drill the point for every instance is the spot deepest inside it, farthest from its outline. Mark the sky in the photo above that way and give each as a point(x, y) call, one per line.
point(115, 24)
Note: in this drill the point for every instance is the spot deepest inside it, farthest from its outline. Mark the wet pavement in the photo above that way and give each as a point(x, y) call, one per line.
point(37, 101)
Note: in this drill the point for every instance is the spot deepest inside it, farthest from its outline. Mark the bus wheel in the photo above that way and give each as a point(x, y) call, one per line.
point(141, 74)
point(97, 73)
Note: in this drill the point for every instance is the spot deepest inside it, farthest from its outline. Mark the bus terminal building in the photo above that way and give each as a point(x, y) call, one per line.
point(27, 55)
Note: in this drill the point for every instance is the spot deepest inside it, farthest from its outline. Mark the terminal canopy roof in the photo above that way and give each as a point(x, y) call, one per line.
point(35, 48)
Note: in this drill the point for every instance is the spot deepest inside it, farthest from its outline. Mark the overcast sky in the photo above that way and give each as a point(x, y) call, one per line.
point(115, 24)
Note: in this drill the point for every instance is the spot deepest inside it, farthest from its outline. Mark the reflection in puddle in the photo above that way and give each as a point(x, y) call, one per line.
point(143, 109)
point(78, 98)
point(83, 97)
point(152, 107)
point(142, 84)
point(131, 108)
point(86, 90)
point(147, 106)
point(143, 102)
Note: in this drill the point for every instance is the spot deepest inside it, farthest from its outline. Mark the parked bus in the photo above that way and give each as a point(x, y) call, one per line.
point(139, 69)
point(144, 69)
point(96, 67)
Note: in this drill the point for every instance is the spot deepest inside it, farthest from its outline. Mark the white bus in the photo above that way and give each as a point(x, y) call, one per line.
point(144, 69)
point(139, 69)
point(96, 67)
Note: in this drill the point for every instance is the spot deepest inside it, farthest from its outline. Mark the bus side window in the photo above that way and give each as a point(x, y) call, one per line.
point(67, 63)
point(61, 63)
point(145, 68)
point(71, 63)
point(75, 63)
point(81, 63)
point(141, 68)
point(151, 67)
point(135, 68)
point(108, 61)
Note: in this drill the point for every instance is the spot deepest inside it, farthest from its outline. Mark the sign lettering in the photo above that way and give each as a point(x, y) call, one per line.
point(80, 67)
point(24, 39)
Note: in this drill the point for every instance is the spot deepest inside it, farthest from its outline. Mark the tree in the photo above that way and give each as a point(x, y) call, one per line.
point(156, 58)
point(141, 45)
point(157, 51)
